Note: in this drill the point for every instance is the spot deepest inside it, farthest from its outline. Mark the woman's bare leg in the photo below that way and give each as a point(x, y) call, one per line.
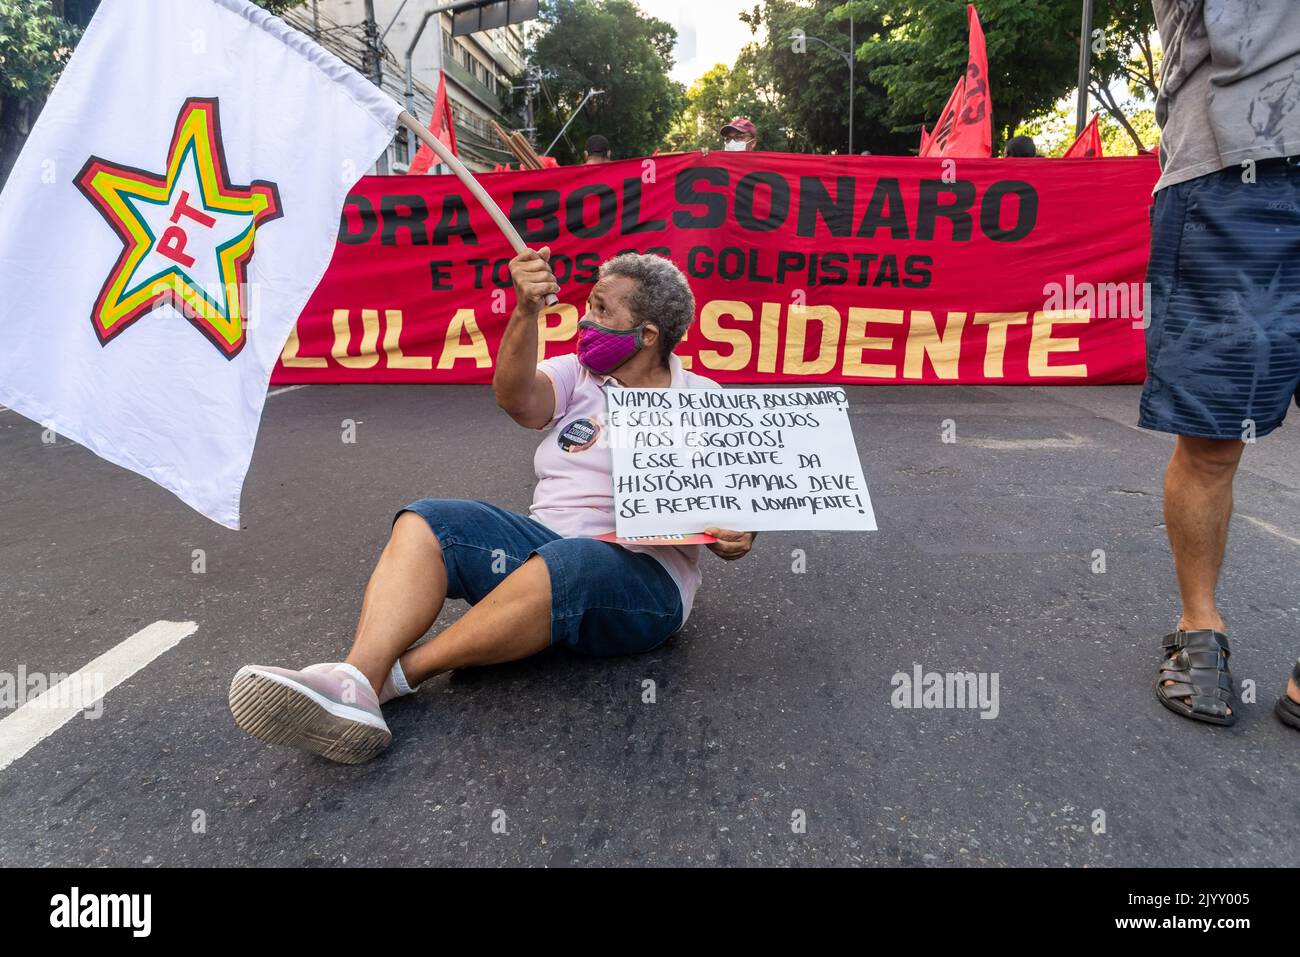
point(405, 595)
point(513, 621)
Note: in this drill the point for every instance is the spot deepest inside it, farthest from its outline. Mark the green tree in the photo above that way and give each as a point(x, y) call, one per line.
point(797, 99)
point(1139, 126)
point(35, 42)
point(920, 49)
point(812, 80)
point(36, 39)
point(725, 93)
point(1053, 131)
point(920, 52)
point(709, 104)
point(606, 45)
point(1123, 53)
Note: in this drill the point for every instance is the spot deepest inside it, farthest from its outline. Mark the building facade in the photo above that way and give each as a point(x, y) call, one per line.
point(480, 68)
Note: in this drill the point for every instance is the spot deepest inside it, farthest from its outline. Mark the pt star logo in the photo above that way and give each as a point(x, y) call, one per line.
point(187, 233)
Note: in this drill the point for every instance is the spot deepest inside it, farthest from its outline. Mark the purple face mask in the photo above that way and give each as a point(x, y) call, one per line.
point(602, 349)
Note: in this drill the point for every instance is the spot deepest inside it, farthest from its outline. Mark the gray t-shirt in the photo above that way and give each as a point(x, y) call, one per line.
point(1230, 84)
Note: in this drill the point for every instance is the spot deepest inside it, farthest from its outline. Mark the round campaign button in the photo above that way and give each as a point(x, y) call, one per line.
point(579, 435)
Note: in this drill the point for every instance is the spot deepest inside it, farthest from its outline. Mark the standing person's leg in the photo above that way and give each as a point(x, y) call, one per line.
point(1198, 505)
point(1223, 365)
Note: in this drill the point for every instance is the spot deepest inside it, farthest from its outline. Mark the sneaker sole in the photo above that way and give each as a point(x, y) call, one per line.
point(277, 712)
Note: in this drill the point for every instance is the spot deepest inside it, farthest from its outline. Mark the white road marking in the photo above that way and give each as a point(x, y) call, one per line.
point(288, 388)
point(1069, 442)
point(1271, 529)
point(37, 719)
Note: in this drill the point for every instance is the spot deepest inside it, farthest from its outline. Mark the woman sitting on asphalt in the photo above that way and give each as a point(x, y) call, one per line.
point(534, 581)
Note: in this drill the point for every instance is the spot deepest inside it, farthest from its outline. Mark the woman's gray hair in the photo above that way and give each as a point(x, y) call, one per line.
point(662, 295)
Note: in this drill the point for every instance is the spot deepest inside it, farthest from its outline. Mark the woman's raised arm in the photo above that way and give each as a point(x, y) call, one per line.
point(521, 389)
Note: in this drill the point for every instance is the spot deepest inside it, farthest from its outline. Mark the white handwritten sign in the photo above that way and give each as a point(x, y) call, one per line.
point(747, 459)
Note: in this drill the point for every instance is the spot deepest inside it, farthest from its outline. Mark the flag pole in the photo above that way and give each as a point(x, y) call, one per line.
point(472, 184)
point(1085, 39)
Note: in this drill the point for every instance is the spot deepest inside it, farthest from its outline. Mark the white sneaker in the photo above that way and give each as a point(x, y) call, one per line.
point(394, 685)
point(328, 709)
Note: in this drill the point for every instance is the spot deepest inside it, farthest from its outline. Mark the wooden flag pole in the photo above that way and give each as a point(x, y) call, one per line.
point(510, 145)
point(472, 184)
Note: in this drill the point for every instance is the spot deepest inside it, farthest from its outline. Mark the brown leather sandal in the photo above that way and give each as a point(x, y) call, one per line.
point(1197, 663)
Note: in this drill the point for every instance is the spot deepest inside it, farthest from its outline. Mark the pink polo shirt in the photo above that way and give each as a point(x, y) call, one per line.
point(575, 478)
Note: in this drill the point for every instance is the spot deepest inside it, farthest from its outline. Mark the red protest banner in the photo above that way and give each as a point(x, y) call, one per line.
point(840, 269)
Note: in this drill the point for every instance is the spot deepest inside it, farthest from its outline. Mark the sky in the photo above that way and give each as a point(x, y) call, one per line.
point(708, 33)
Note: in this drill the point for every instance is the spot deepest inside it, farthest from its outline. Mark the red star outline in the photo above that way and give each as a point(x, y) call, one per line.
point(108, 316)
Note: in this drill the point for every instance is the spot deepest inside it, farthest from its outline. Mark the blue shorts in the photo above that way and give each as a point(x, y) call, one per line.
point(1223, 342)
point(605, 600)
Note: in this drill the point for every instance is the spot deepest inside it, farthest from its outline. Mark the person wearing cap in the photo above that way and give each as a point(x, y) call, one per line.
point(597, 150)
point(740, 135)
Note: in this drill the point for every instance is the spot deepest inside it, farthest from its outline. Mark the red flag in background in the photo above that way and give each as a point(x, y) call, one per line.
point(925, 140)
point(972, 134)
point(441, 127)
point(1088, 143)
point(943, 126)
point(965, 127)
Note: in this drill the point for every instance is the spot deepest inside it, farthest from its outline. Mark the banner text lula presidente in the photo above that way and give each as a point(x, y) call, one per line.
point(783, 335)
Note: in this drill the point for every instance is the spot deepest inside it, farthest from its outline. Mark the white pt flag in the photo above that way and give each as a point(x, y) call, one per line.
point(170, 215)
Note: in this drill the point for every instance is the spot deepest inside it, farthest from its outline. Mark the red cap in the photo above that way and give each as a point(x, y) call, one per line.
point(741, 124)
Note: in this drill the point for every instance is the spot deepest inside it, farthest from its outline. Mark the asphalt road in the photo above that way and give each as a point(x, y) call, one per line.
point(773, 705)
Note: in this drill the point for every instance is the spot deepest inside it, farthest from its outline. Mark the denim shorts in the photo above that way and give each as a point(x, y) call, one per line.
point(605, 600)
point(1223, 342)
